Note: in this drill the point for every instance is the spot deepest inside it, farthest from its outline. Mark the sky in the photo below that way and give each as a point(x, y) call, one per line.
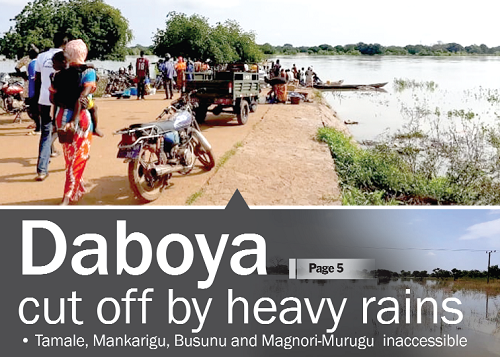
point(439, 233)
point(315, 22)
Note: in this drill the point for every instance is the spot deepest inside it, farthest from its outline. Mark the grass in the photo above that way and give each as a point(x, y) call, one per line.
point(228, 154)
point(403, 84)
point(381, 176)
point(411, 135)
point(493, 288)
point(221, 162)
point(470, 284)
point(192, 199)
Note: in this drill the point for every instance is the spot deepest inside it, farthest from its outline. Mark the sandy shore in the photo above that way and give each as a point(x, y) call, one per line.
point(278, 161)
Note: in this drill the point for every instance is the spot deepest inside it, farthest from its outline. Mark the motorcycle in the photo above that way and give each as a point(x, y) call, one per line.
point(11, 95)
point(156, 150)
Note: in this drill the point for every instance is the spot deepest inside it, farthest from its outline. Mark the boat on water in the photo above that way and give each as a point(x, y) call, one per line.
point(348, 86)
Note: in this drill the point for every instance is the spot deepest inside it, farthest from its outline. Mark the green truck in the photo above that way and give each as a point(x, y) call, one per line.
point(234, 90)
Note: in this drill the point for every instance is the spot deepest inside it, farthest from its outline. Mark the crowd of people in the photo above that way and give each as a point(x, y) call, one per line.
point(176, 73)
point(60, 87)
point(279, 78)
point(171, 73)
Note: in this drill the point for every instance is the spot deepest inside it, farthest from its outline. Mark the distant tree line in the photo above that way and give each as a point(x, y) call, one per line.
point(440, 49)
point(438, 273)
point(136, 50)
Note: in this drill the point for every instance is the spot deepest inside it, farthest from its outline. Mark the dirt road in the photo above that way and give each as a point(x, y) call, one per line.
point(106, 176)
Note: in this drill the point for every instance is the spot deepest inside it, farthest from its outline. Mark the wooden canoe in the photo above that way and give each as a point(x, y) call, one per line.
point(348, 86)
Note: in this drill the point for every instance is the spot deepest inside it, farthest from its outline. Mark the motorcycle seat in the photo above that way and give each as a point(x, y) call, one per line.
point(166, 125)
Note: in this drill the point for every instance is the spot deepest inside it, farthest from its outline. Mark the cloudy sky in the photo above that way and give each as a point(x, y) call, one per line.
point(438, 236)
point(314, 22)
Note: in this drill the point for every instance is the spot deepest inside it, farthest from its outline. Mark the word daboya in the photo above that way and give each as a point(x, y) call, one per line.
point(212, 262)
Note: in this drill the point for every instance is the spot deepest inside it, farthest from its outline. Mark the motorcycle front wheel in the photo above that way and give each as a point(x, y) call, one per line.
point(145, 187)
point(206, 157)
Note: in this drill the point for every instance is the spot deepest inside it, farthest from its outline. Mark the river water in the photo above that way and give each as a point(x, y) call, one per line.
point(481, 312)
point(462, 83)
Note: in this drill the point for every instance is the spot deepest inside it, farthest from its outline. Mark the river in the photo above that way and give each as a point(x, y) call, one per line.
point(461, 83)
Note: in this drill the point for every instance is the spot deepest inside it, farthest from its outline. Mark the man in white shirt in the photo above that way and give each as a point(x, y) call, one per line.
point(43, 71)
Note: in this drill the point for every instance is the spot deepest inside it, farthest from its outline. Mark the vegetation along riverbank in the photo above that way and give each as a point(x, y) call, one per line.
point(382, 176)
point(439, 156)
point(361, 48)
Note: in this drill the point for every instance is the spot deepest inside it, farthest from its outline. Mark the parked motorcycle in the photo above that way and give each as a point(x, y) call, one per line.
point(156, 150)
point(11, 94)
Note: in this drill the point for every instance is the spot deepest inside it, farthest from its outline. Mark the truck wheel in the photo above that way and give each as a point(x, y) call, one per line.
point(242, 113)
point(201, 113)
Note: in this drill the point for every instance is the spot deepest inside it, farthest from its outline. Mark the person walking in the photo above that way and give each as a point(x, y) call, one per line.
point(180, 67)
point(43, 70)
point(168, 78)
point(70, 88)
point(32, 100)
point(189, 70)
point(142, 72)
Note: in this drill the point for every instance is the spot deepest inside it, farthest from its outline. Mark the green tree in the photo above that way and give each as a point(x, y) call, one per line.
point(339, 49)
point(326, 47)
point(194, 37)
point(314, 49)
point(183, 36)
point(103, 28)
point(370, 49)
point(267, 49)
point(454, 47)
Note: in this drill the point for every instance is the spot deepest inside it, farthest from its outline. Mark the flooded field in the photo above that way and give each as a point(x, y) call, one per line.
point(480, 324)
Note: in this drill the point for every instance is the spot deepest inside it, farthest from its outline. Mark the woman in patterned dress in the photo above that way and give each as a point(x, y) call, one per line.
point(70, 87)
point(180, 67)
